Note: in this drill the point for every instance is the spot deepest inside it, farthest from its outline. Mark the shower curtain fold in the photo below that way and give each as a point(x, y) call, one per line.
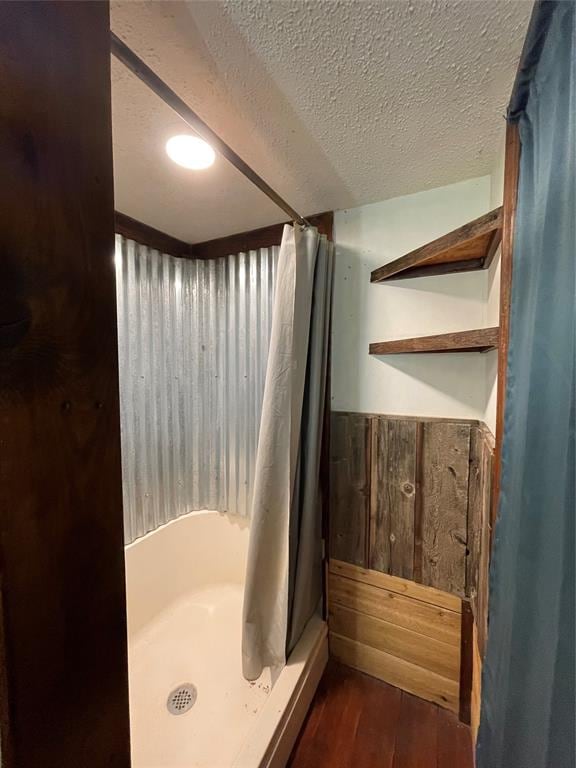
point(284, 559)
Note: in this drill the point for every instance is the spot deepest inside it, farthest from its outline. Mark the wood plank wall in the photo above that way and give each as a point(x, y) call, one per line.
point(410, 497)
point(410, 515)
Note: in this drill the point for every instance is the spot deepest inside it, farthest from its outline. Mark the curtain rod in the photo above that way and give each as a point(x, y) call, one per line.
point(135, 64)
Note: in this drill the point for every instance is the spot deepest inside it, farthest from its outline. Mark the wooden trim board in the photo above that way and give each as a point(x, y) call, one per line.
point(257, 238)
point(241, 242)
point(511, 177)
point(132, 229)
point(476, 694)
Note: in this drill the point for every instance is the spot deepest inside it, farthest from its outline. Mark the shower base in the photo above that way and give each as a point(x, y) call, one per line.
point(185, 632)
point(195, 641)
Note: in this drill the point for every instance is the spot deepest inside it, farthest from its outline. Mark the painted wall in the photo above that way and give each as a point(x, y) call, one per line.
point(366, 237)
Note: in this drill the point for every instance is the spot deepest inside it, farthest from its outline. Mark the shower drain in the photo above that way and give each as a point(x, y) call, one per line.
point(181, 699)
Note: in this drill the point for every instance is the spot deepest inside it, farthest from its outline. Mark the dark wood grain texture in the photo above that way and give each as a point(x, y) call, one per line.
point(479, 340)
point(445, 453)
point(350, 445)
point(135, 230)
point(466, 662)
point(511, 174)
point(479, 526)
point(393, 491)
point(358, 722)
point(469, 247)
point(265, 237)
point(454, 742)
point(63, 623)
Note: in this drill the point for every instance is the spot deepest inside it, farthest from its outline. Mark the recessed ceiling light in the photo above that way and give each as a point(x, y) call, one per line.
point(190, 152)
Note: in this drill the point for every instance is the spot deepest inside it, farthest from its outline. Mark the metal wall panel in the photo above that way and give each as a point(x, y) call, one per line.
point(193, 345)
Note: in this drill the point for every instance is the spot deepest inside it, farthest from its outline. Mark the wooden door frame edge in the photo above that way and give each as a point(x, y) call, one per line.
point(511, 174)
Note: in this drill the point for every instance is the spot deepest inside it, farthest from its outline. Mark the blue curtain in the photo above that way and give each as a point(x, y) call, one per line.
point(528, 697)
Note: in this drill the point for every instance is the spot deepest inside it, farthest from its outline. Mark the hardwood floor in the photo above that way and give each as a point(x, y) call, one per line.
point(356, 721)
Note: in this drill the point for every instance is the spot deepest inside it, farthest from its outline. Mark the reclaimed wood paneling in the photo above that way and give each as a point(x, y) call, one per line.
point(479, 526)
point(349, 487)
point(446, 451)
point(63, 624)
point(392, 495)
point(411, 498)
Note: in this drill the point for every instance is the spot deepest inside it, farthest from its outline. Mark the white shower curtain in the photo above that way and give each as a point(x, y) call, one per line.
point(287, 462)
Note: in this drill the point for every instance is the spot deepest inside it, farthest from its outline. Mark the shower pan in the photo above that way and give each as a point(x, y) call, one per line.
point(184, 593)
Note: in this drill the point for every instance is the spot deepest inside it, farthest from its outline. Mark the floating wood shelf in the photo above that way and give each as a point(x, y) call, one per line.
point(465, 249)
point(480, 340)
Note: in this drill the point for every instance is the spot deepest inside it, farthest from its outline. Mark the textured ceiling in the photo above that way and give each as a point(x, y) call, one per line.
point(335, 104)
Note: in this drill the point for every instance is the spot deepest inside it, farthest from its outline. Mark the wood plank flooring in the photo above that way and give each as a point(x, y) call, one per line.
point(356, 721)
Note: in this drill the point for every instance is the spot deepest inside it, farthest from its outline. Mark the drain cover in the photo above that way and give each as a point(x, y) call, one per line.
point(181, 699)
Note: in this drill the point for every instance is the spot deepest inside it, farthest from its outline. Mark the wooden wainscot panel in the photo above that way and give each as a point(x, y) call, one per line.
point(425, 618)
point(404, 633)
point(409, 677)
point(392, 497)
point(443, 524)
point(395, 584)
point(425, 651)
point(349, 486)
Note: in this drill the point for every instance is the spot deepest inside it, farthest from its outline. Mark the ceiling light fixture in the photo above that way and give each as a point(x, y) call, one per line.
point(190, 152)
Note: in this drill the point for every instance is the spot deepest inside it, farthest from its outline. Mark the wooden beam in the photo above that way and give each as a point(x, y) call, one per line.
point(265, 237)
point(136, 230)
point(511, 174)
point(63, 616)
point(479, 340)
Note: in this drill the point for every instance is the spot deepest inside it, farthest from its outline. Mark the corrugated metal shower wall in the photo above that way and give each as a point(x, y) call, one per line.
point(193, 345)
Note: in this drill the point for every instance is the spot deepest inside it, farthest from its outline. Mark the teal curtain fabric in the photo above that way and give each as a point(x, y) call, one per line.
point(528, 698)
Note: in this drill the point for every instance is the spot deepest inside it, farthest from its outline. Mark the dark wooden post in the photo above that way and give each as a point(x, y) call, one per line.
point(64, 697)
point(511, 172)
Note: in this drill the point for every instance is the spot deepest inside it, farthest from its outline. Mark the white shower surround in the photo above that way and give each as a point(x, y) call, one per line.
point(184, 590)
